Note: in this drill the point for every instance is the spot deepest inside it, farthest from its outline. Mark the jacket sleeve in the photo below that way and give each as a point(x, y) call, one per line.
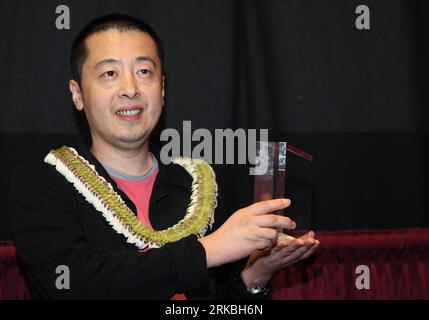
point(48, 235)
point(223, 280)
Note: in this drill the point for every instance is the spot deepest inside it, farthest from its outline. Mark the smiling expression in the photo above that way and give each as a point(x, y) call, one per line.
point(122, 87)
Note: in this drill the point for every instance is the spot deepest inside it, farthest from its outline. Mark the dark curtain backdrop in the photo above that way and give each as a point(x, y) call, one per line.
point(354, 99)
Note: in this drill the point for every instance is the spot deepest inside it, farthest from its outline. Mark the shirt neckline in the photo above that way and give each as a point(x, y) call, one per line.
point(125, 176)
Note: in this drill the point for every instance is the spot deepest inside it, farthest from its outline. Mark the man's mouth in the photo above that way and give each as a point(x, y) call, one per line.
point(130, 113)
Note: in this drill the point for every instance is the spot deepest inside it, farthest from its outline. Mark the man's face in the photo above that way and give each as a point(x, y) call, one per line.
point(122, 87)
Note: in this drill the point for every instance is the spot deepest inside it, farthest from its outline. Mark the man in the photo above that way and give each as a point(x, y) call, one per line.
point(91, 209)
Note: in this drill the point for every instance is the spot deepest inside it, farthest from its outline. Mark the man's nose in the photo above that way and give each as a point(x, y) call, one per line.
point(129, 88)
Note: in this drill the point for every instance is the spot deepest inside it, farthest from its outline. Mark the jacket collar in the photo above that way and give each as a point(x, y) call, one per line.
point(168, 175)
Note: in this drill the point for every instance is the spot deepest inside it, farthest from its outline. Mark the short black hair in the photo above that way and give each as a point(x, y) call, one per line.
point(116, 21)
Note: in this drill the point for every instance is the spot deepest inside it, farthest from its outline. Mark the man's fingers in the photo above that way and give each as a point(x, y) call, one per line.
point(291, 244)
point(263, 244)
point(267, 233)
point(309, 246)
point(296, 254)
point(289, 248)
point(308, 235)
point(274, 221)
point(267, 206)
point(310, 251)
point(299, 245)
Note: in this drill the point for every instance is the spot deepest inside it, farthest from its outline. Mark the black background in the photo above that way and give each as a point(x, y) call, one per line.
point(355, 99)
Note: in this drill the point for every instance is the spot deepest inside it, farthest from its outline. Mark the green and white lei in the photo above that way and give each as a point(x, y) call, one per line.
point(97, 191)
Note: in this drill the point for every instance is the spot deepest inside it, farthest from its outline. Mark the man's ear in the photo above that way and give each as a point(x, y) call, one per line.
point(163, 89)
point(76, 94)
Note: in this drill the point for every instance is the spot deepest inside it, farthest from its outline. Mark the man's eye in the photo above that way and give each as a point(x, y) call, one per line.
point(109, 73)
point(145, 71)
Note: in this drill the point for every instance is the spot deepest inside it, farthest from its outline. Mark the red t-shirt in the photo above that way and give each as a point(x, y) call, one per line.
point(139, 192)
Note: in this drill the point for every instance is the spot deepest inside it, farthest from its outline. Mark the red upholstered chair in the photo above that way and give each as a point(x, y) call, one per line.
point(12, 283)
point(397, 261)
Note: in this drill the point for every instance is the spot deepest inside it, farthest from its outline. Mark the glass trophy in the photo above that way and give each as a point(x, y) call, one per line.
point(284, 171)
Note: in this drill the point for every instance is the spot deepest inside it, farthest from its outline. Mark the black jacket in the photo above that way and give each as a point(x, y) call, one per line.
point(54, 225)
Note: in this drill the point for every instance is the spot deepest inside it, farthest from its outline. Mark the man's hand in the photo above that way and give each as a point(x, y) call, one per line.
point(248, 229)
point(263, 264)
